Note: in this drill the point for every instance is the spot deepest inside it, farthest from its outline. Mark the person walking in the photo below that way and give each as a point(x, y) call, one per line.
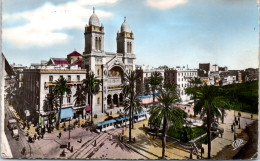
point(23, 151)
point(35, 136)
point(59, 134)
point(201, 152)
point(71, 150)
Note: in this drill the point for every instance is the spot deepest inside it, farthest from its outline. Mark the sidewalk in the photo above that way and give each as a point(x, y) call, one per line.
point(5, 147)
point(32, 129)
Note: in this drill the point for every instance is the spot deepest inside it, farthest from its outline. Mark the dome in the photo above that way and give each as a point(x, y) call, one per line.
point(93, 20)
point(125, 27)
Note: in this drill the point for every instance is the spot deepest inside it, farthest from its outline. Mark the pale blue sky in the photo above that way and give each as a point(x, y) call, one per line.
point(167, 32)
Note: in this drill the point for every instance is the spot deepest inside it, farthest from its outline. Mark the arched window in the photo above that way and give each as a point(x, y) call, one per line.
point(96, 43)
point(99, 43)
point(130, 47)
point(127, 49)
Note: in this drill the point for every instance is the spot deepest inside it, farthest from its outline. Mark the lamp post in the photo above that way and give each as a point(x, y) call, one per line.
point(69, 127)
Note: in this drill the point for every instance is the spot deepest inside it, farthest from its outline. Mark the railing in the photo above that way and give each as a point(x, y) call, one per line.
point(47, 84)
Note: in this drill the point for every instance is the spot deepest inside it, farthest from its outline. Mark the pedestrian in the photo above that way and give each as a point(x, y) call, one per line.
point(68, 145)
point(134, 139)
point(59, 134)
point(251, 116)
point(35, 136)
point(63, 153)
point(23, 151)
point(42, 135)
point(95, 143)
point(71, 150)
point(143, 125)
point(201, 152)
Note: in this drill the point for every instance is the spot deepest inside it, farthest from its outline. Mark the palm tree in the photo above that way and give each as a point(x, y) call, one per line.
point(209, 103)
point(91, 86)
point(166, 111)
point(129, 92)
point(80, 97)
point(155, 80)
point(51, 103)
point(60, 89)
point(194, 84)
point(136, 107)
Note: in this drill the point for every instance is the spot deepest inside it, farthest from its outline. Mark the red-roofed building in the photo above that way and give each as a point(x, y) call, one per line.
point(74, 53)
point(74, 57)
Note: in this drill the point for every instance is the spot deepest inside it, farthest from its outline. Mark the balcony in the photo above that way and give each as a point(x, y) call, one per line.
point(118, 87)
point(47, 84)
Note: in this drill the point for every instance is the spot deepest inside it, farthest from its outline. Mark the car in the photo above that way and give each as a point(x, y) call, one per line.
point(12, 124)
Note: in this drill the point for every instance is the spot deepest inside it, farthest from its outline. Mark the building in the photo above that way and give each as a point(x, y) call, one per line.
point(250, 74)
point(38, 84)
point(181, 76)
point(109, 67)
point(143, 73)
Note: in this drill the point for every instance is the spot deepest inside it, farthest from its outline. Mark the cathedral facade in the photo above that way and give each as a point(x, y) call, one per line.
point(108, 67)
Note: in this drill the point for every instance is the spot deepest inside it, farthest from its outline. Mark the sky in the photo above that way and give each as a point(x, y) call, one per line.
point(167, 32)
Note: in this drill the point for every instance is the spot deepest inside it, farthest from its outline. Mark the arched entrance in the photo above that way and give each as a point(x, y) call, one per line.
point(109, 101)
point(115, 100)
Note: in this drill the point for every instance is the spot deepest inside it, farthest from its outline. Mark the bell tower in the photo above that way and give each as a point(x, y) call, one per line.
point(125, 39)
point(94, 35)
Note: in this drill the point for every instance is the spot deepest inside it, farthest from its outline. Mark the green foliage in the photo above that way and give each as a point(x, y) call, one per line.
point(243, 95)
point(91, 84)
point(80, 96)
point(185, 134)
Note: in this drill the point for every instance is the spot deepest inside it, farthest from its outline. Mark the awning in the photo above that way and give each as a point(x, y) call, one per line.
point(66, 113)
point(139, 114)
point(88, 108)
point(106, 122)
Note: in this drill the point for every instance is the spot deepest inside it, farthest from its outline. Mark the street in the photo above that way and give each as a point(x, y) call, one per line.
point(82, 141)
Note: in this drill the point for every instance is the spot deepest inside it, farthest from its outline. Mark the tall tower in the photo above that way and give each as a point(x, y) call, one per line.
point(125, 46)
point(125, 39)
point(94, 35)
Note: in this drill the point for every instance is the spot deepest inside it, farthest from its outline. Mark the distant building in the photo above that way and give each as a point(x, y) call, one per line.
point(181, 76)
point(250, 74)
point(143, 74)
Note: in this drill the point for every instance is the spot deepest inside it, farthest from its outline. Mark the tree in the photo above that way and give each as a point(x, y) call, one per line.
point(210, 100)
point(194, 84)
point(130, 93)
point(155, 80)
point(136, 107)
point(80, 96)
point(166, 111)
point(51, 103)
point(59, 91)
point(91, 86)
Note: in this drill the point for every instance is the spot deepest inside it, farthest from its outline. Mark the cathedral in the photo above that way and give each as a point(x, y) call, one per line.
point(108, 67)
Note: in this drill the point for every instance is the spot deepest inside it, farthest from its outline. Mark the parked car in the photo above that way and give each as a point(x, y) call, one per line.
point(12, 124)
